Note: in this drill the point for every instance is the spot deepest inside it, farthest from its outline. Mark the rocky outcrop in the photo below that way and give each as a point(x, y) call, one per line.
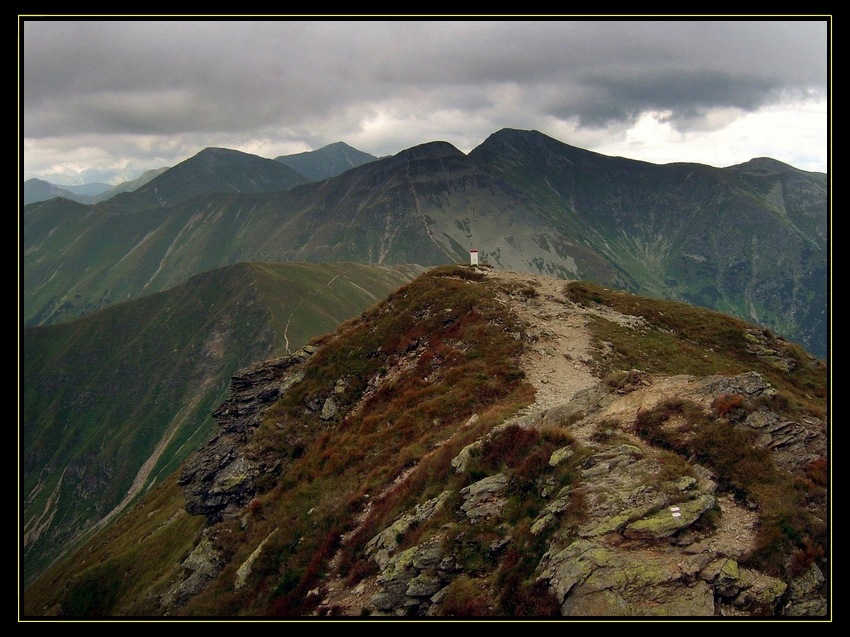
point(795, 442)
point(383, 545)
point(412, 578)
point(201, 566)
point(220, 479)
point(483, 500)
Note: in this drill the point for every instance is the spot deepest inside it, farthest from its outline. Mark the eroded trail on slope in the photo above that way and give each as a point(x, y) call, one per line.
point(557, 362)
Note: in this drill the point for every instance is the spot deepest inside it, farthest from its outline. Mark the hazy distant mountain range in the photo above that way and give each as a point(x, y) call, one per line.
point(316, 165)
point(39, 190)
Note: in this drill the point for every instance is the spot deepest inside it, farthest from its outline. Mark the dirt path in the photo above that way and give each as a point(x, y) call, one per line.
point(557, 364)
point(557, 361)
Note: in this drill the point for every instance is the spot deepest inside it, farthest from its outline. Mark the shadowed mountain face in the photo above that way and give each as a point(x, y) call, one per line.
point(749, 240)
point(486, 443)
point(114, 401)
point(329, 161)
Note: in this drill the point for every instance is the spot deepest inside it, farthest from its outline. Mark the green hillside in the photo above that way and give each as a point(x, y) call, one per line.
point(114, 401)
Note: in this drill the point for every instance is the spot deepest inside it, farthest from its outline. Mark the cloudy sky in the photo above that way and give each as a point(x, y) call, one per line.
point(105, 100)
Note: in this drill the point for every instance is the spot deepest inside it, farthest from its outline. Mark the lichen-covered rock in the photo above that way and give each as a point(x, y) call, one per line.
point(461, 461)
point(760, 594)
point(723, 574)
point(593, 580)
point(423, 585)
point(804, 597)
point(572, 565)
point(610, 459)
point(484, 499)
point(670, 520)
point(559, 455)
point(201, 566)
point(329, 408)
point(244, 570)
point(412, 577)
point(381, 547)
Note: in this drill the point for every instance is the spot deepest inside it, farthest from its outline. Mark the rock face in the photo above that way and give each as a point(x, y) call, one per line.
point(220, 480)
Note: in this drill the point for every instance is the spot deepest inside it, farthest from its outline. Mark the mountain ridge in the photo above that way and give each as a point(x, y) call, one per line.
point(488, 443)
point(686, 231)
point(737, 240)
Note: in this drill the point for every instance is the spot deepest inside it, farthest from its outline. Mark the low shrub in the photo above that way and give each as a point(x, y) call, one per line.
point(466, 597)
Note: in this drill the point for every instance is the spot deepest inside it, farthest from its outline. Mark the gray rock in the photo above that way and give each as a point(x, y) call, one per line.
point(245, 569)
point(383, 545)
point(760, 594)
point(461, 461)
point(666, 522)
point(329, 408)
point(483, 499)
point(423, 585)
point(559, 455)
point(804, 598)
point(593, 580)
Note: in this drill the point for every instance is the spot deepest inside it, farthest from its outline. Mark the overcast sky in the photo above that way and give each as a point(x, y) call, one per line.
point(106, 100)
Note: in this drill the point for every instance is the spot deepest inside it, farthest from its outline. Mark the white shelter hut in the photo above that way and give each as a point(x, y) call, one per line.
point(473, 257)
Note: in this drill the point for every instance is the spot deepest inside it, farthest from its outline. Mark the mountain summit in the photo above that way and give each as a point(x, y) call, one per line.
point(489, 443)
point(212, 170)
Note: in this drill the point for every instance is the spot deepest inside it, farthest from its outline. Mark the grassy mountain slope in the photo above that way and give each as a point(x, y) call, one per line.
point(428, 205)
point(456, 475)
point(114, 401)
point(212, 170)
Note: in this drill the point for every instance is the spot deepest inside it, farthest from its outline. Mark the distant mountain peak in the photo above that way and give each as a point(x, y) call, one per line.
point(431, 150)
point(763, 166)
point(328, 161)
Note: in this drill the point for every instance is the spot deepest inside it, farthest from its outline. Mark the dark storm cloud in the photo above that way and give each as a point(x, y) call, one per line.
point(176, 76)
point(164, 88)
point(683, 93)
